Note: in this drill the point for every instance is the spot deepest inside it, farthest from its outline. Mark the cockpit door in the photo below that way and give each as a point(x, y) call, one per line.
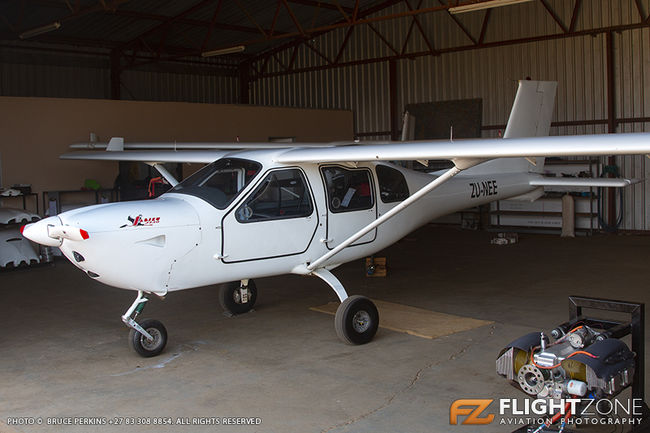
point(350, 204)
point(278, 218)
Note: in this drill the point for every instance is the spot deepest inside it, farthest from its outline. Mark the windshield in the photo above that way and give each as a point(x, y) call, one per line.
point(220, 182)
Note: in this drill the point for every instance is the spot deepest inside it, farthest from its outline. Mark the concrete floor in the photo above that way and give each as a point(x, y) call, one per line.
point(63, 348)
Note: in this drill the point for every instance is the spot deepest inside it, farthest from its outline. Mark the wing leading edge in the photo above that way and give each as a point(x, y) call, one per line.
point(482, 148)
point(459, 151)
point(150, 157)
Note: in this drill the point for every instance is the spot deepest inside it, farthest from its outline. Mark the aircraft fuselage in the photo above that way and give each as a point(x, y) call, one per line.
point(284, 218)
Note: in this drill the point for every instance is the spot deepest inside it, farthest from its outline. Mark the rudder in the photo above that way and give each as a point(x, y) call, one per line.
point(530, 116)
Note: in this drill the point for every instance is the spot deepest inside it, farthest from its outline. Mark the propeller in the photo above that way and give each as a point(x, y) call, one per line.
point(51, 232)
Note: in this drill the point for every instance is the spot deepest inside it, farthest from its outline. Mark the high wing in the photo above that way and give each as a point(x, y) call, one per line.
point(151, 157)
point(466, 149)
point(464, 153)
point(477, 149)
point(197, 145)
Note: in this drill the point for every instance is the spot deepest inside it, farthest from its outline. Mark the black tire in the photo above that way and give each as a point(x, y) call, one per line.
point(141, 345)
point(230, 300)
point(356, 320)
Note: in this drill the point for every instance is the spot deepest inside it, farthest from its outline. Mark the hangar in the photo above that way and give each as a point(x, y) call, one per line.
point(457, 294)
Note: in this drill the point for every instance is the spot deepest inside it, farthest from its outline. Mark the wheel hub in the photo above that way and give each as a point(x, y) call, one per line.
point(361, 321)
point(151, 344)
point(241, 295)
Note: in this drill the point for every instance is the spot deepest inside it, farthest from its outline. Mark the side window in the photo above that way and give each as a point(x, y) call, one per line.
point(347, 190)
point(282, 194)
point(392, 185)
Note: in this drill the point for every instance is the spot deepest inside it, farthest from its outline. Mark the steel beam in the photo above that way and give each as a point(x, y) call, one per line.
point(420, 28)
point(611, 123)
point(212, 25)
point(484, 26)
point(574, 15)
point(157, 17)
point(321, 4)
point(383, 38)
point(165, 24)
point(112, 5)
point(244, 82)
point(293, 18)
point(343, 45)
point(392, 84)
point(460, 24)
point(555, 16)
point(296, 42)
point(481, 45)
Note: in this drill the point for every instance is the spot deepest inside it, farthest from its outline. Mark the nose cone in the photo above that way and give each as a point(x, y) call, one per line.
point(39, 231)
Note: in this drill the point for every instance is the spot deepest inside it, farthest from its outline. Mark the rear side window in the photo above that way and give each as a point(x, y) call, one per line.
point(348, 190)
point(392, 185)
point(282, 194)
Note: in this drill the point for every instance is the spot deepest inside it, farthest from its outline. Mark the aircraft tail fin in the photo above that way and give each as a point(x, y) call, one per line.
point(530, 117)
point(532, 110)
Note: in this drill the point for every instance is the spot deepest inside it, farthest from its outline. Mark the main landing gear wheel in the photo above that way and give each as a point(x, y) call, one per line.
point(238, 297)
point(145, 347)
point(356, 320)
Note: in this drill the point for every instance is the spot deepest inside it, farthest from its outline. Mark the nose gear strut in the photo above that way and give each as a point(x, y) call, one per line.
point(135, 309)
point(149, 337)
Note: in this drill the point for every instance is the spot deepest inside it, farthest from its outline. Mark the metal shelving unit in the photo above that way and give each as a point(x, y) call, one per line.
point(545, 214)
point(57, 196)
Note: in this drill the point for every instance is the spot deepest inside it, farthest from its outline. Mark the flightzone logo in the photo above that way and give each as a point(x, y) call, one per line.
point(139, 221)
point(575, 411)
point(471, 409)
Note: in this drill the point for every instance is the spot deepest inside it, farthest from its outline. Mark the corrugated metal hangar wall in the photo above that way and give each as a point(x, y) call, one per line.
point(579, 63)
point(61, 75)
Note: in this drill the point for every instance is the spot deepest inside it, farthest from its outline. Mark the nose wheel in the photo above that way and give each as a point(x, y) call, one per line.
point(149, 337)
point(149, 347)
point(238, 297)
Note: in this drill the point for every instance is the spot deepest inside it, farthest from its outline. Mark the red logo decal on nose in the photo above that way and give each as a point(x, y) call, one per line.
point(140, 221)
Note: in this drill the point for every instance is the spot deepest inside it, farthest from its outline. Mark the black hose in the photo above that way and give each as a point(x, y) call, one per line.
point(601, 211)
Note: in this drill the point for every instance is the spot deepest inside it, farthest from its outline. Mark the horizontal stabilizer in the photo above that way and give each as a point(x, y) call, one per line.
point(584, 181)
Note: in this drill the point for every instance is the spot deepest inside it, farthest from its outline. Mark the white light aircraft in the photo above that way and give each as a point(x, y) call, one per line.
point(264, 209)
